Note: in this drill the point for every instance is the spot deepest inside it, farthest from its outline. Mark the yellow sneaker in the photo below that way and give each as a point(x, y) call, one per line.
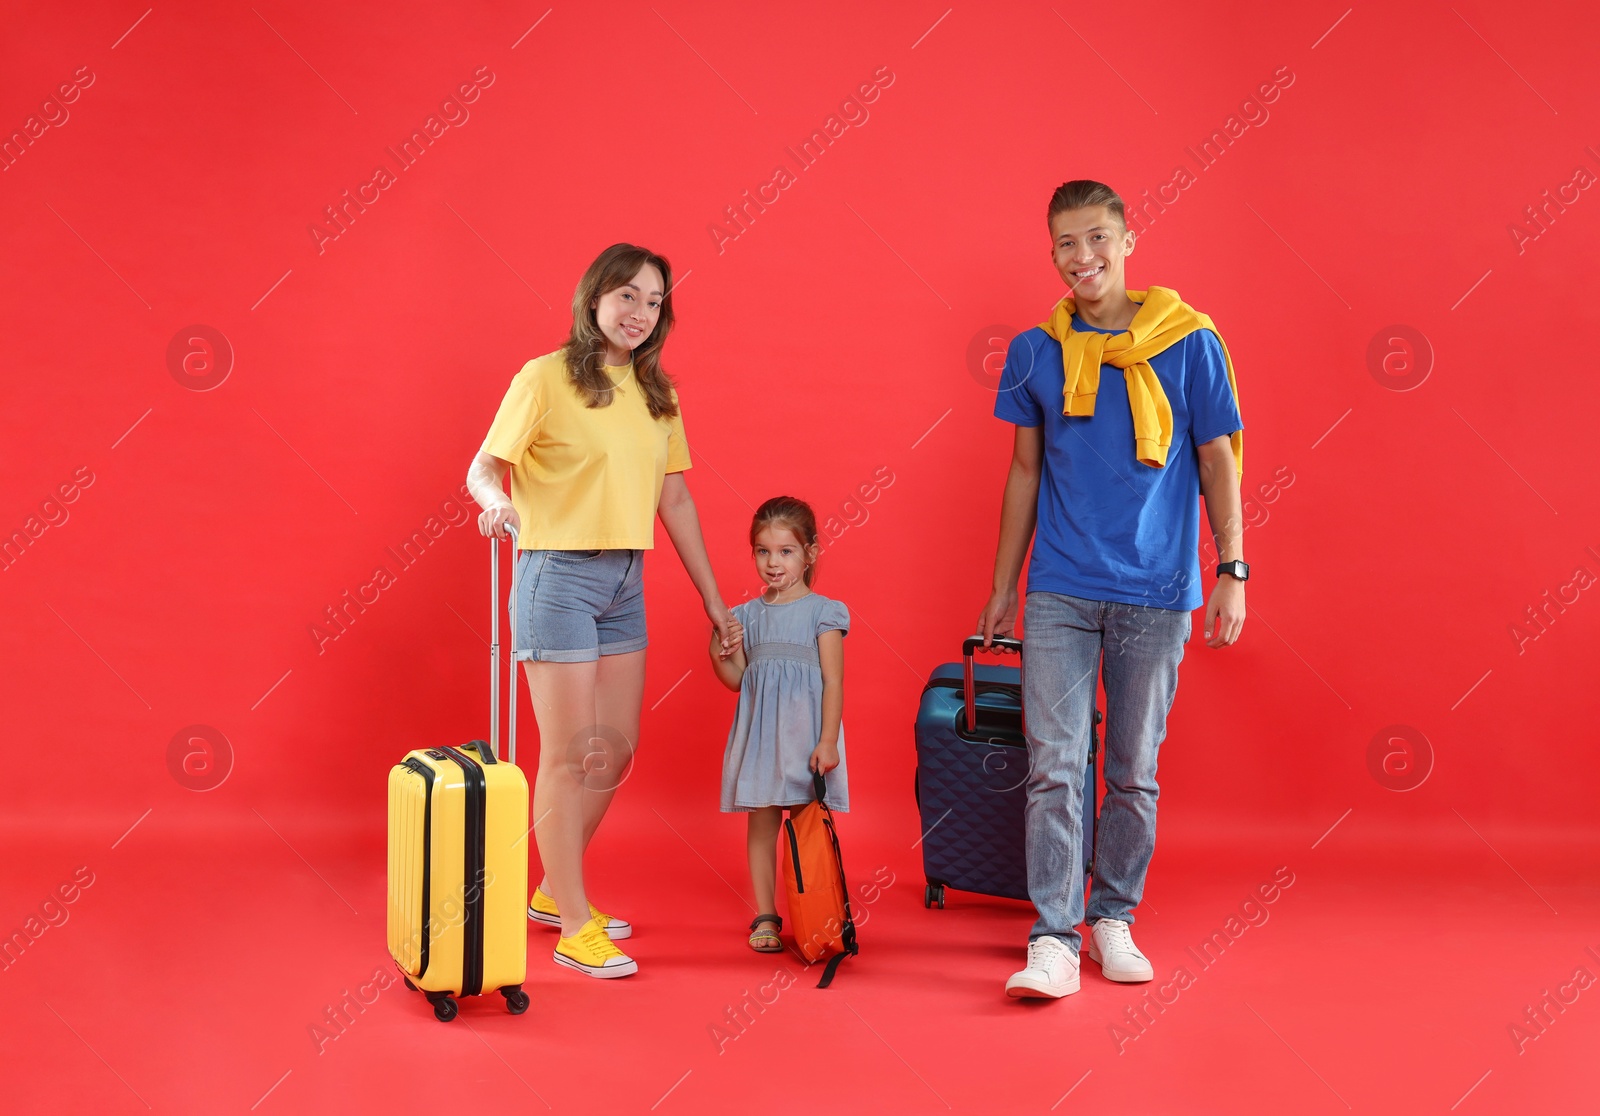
point(543, 909)
point(590, 951)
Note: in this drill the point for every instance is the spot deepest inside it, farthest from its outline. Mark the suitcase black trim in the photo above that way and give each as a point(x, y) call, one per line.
point(427, 859)
point(476, 808)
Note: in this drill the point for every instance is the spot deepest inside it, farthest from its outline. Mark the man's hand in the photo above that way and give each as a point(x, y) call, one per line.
point(1226, 609)
point(999, 616)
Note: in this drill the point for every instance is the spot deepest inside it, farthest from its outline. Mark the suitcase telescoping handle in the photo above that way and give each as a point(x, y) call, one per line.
point(494, 650)
point(969, 646)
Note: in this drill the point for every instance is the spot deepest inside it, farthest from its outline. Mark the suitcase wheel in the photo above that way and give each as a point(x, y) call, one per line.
point(444, 1008)
point(516, 1000)
point(933, 896)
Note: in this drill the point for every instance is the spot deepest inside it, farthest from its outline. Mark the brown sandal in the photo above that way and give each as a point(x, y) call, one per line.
point(766, 941)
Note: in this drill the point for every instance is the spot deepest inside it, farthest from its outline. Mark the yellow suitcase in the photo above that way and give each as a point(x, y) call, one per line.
point(458, 862)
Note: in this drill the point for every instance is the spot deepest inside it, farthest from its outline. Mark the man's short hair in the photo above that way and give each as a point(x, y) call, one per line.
point(1081, 193)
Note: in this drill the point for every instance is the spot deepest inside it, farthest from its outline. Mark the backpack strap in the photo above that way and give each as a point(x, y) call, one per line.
point(833, 967)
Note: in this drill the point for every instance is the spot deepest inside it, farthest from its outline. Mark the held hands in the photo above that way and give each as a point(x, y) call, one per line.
point(1226, 608)
point(824, 757)
point(493, 521)
point(728, 628)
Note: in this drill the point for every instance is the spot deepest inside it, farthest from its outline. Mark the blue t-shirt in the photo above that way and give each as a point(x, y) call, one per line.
point(1111, 528)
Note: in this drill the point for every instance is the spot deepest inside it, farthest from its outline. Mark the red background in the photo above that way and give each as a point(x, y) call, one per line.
point(844, 332)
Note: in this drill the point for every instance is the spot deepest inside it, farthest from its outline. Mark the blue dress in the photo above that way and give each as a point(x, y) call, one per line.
point(779, 718)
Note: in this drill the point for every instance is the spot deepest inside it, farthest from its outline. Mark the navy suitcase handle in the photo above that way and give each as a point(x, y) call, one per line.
point(973, 644)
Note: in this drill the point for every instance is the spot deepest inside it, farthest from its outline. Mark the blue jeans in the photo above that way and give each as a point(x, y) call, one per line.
point(1066, 641)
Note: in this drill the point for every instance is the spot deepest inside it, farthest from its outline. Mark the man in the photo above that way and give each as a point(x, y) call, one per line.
point(1126, 409)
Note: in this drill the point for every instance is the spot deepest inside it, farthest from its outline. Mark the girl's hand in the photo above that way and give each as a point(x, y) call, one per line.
point(729, 631)
point(824, 758)
point(493, 521)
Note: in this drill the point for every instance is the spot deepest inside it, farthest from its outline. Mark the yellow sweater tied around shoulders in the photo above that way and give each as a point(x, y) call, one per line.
point(1162, 320)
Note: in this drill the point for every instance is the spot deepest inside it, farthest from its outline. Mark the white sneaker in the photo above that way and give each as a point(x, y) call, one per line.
point(1051, 972)
point(1112, 946)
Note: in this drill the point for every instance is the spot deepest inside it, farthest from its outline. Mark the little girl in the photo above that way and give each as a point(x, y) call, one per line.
point(790, 678)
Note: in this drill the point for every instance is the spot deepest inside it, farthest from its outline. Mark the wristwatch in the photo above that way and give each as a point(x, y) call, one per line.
point(1235, 569)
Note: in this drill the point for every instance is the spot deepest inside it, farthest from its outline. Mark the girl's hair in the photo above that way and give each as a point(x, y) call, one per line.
point(790, 513)
point(585, 347)
point(1081, 193)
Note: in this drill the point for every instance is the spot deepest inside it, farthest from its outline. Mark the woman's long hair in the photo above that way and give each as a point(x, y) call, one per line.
point(585, 347)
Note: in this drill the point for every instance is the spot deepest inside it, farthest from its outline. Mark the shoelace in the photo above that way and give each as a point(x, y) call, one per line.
point(1119, 939)
point(594, 937)
point(1042, 954)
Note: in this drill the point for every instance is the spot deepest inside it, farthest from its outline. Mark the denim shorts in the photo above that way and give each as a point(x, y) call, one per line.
point(575, 605)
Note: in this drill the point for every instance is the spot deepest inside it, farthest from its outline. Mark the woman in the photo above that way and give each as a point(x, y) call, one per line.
point(594, 441)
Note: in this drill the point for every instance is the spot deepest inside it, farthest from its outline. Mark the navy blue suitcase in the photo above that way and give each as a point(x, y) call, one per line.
point(972, 779)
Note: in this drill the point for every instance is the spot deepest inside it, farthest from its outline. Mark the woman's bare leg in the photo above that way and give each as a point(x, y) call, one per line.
point(564, 696)
point(598, 761)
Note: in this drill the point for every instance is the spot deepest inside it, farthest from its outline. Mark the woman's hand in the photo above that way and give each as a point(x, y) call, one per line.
point(729, 631)
point(492, 523)
point(824, 757)
point(735, 635)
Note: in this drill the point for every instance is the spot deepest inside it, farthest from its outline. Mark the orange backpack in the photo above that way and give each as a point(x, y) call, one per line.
point(813, 875)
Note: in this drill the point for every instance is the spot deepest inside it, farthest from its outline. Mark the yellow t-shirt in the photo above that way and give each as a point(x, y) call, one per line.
point(584, 478)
